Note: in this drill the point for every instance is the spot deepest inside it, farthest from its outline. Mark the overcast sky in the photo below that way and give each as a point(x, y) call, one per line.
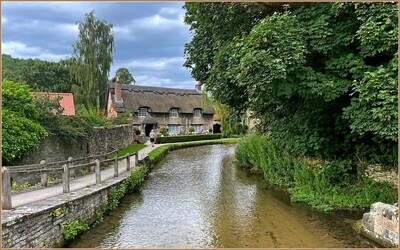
point(149, 37)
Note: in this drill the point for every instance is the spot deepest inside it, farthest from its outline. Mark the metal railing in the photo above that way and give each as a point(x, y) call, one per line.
point(66, 167)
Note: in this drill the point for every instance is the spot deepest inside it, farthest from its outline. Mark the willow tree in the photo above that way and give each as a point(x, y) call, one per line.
point(91, 62)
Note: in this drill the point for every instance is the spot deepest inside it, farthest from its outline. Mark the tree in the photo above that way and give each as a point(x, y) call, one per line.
point(91, 62)
point(22, 133)
point(125, 77)
point(321, 76)
point(39, 75)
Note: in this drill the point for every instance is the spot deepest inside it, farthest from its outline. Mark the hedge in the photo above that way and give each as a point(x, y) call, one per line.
point(184, 138)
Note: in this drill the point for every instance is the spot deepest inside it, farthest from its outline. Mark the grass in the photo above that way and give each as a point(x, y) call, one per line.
point(132, 148)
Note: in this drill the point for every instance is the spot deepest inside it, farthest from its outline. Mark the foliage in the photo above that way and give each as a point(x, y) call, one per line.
point(191, 130)
point(39, 75)
point(56, 212)
point(326, 185)
point(136, 178)
point(321, 77)
point(122, 118)
point(72, 229)
point(91, 61)
point(125, 77)
point(91, 115)
point(137, 131)
point(163, 131)
point(15, 186)
point(21, 132)
point(183, 138)
point(69, 129)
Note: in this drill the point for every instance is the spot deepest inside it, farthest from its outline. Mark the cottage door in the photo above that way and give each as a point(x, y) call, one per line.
point(148, 128)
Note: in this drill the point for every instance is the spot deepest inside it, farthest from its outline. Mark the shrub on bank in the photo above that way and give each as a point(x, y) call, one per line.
point(184, 138)
point(325, 185)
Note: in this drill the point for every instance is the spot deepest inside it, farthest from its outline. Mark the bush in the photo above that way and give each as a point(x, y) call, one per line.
point(163, 131)
point(325, 185)
point(123, 118)
point(22, 133)
point(136, 131)
point(91, 116)
point(183, 138)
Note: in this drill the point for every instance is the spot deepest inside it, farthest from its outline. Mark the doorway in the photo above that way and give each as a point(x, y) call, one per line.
point(216, 128)
point(148, 128)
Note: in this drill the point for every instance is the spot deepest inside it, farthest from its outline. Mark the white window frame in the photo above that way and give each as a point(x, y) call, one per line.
point(173, 113)
point(142, 111)
point(174, 129)
point(197, 113)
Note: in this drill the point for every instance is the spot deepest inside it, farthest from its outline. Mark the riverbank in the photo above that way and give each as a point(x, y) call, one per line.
point(325, 185)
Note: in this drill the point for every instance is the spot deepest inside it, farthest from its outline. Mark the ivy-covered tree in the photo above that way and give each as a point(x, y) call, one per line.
point(322, 77)
point(91, 61)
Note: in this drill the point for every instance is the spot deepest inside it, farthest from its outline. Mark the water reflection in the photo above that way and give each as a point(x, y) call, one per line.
point(198, 198)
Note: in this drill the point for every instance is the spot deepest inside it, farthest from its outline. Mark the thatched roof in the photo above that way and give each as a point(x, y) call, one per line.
point(161, 100)
point(149, 120)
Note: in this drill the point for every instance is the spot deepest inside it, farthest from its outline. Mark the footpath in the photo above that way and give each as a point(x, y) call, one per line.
point(79, 182)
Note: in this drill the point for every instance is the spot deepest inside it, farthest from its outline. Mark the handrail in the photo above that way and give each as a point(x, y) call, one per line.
point(61, 166)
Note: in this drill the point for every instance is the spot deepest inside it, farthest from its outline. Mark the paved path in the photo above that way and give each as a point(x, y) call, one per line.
point(78, 183)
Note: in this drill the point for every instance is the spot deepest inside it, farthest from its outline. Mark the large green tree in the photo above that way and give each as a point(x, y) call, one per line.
point(39, 75)
point(91, 61)
point(125, 77)
point(322, 77)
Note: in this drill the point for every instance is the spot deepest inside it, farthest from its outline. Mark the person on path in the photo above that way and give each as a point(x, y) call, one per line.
point(152, 137)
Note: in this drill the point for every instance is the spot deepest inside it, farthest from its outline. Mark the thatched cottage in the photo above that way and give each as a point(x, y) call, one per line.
point(155, 107)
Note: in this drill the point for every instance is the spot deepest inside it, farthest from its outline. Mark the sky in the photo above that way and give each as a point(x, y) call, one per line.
point(149, 37)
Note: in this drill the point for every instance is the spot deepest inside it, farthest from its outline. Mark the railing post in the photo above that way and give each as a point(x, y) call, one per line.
point(136, 159)
point(97, 171)
point(43, 174)
point(6, 190)
point(128, 162)
point(116, 164)
point(66, 186)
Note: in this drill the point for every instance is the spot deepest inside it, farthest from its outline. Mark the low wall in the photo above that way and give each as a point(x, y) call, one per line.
point(381, 224)
point(53, 150)
point(39, 224)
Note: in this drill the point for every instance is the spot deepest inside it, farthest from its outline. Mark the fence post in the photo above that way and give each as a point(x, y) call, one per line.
point(43, 174)
point(97, 171)
point(65, 175)
point(128, 162)
point(116, 164)
point(136, 159)
point(6, 190)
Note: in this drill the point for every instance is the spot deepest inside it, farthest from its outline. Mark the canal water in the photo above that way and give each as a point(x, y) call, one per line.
point(198, 198)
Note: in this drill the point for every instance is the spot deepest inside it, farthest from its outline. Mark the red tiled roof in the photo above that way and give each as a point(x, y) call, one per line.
point(67, 101)
point(215, 117)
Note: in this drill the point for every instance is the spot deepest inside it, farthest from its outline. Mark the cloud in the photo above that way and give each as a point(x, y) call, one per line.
point(147, 80)
point(4, 20)
point(20, 50)
point(156, 63)
point(169, 11)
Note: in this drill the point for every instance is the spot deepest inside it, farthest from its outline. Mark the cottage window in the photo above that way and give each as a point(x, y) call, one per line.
point(197, 129)
point(173, 113)
point(142, 112)
point(174, 129)
point(197, 113)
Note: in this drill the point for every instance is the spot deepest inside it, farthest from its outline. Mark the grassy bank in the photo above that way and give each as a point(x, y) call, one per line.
point(132, 148)
point(159, 152)
point(325, 185)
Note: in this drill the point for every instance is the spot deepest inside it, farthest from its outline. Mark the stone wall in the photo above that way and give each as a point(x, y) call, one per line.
point(39, 224)
point(381, 224)
point(52, 149)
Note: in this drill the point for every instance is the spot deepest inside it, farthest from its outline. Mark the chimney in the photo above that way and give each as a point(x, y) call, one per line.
point(118, 90)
